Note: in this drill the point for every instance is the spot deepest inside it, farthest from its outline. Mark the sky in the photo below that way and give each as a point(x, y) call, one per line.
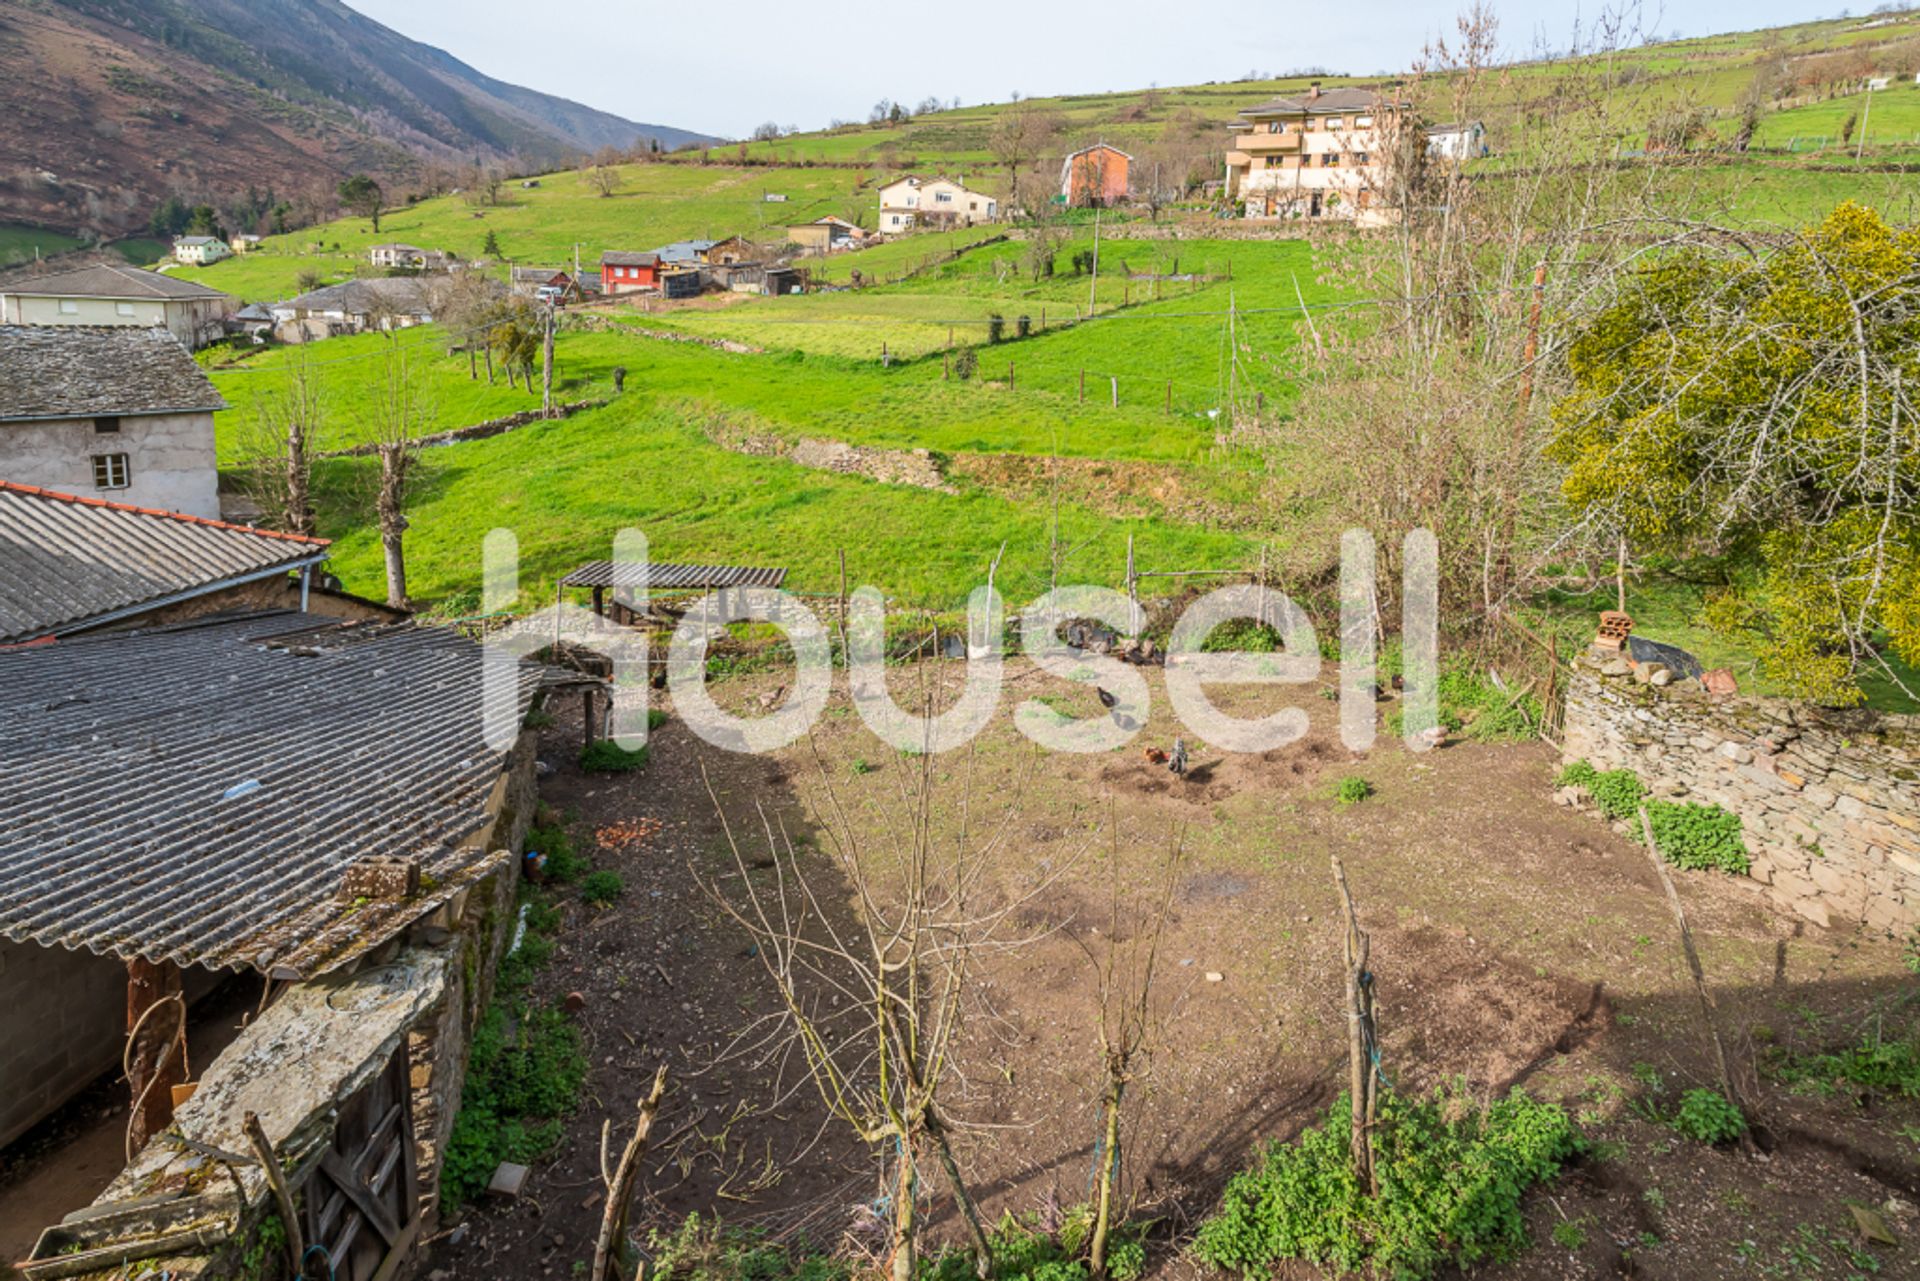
point(725, 71)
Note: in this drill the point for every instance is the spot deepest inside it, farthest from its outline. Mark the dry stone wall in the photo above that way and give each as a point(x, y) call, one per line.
point(1829, 800)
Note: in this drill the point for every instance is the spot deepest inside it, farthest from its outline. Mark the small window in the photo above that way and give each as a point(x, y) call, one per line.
point(123, 309)
point(1359, 157)
point(1363, 122)
point(1328, 159)
point(1276, 126)
point(110, 471)
point(102, 426)
point(68, 307)
point(1337, 122)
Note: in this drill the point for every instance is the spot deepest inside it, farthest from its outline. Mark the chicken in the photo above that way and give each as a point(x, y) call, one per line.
point(1178, 762)
point(1107, 700)
point(1156, 756)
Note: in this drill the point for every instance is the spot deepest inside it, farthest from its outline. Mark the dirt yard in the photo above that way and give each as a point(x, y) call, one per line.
point(1514, 942)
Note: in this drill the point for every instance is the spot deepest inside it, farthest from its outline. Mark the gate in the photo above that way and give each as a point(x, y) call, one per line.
point(362, 1202)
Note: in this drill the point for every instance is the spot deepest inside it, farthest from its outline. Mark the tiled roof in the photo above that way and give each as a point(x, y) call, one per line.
point(627, 258)
point(195, 794)
point(110, 280)
point(1330, 101)
point(685, 250)
point(68, 562)
point(84, 371)
point(405, 295)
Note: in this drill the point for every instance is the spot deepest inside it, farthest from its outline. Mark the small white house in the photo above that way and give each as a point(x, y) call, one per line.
point(1466, 141)
point(912, 201)
point(200, 250)
point(117, 295)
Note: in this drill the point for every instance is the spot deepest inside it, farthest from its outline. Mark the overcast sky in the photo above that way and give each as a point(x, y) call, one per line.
point(728, 68)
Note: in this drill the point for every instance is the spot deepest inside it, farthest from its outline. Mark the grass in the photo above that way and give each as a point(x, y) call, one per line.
point(20, 244)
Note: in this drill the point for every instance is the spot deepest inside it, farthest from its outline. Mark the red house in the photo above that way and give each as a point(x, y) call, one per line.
point(624, 273)
point(1096, 175)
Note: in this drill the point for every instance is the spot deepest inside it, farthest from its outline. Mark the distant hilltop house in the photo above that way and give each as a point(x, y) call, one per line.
point(1457, 142)
point(200, 250)
point(1097, 175)
point(355, 306)
point(624, 272)
point(1319, 155)
point(912, 201)
point(682, 254)
point(409, 257)
point(118, 413)
point(115, 294)
point(244, 243)
point(825, 235)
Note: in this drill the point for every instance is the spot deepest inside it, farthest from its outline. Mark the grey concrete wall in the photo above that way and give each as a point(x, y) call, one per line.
point(63, 1021)
point(1829, 802)
point(171, 459)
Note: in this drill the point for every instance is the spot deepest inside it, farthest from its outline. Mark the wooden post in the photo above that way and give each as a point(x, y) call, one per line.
point(282, 1195)
point(1043, 318)
point(949, 337)
point(600, 601)
point(1115, 380)
point(1169, 405)
point(612, 1240)
point(1259, 404)
point(946, 366)
point(1083, 386)
point(884, 362)
point(1707, 1010)
point(845, 658)
point(1009, 375)
point(1362, 1041)
point(587, 710)
point(156, 1059)
point(1132, 581)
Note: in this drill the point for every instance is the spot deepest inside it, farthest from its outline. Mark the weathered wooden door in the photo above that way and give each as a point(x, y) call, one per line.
point(362, 1204)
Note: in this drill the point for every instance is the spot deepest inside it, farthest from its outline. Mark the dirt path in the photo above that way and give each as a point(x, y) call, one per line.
point(1515, 943)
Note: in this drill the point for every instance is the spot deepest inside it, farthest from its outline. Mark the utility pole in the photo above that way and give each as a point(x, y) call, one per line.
point(546, 367)
point(1093, 286)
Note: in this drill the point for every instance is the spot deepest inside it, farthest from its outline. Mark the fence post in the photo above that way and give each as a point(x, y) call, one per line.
point(1009, 375)
point(1083, 386)
point(1115, 378)
point(1169, 408)
point(946, 366)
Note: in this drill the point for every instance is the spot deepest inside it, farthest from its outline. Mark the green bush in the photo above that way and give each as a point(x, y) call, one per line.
point(602, 887)
point(1705, 1116)
point(1698, 837)
point(1451, 1180)
point(1353, 789)
point(1617, 792)
point(604, 756)
point(523, 1075)
point(1022, 1251)
point(708, 1250)
point(564, 863)
point(1485, 712)
point(1876, 1064)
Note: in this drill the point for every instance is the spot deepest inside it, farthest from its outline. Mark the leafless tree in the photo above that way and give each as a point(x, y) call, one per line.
point(604, 179)
point(1019, 135)
point(402, 414)
point(277, 450)
point(875, 993)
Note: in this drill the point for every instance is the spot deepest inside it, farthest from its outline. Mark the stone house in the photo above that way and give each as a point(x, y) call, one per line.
point(115, 294)
point(355, 306)
point(125, 414)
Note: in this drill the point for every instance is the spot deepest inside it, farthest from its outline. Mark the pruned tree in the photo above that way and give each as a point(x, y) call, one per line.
point(1363, 1042)
point(874, 994)
point(278, 447)
point(361, 195)
point(402, 414)
point(1129, 1020)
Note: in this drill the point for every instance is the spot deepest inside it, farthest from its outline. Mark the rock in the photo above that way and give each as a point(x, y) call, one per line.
point(1617, 667)
point(458, 1234)
point(1872, 1226)
point(1661, 677)
point(507, 1181)
point(542, 768)
point(575, 1002)
point(1215, 976)
point(1737, 754)
point(1720, 682)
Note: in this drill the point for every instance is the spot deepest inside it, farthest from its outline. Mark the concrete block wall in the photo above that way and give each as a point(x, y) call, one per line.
point(1829, 800)
point(64, 1023)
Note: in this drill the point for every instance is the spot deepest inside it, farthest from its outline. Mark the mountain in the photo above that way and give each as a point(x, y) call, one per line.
point(110, 106)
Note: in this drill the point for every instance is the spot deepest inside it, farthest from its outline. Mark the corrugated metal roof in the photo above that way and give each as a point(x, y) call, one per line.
point(658, 577)
point(84, 371)
point(195, 794)
point(67, 561)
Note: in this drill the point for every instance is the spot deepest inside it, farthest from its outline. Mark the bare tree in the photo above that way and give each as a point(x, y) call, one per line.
point(1123, 962)
point(604, 179)
point(402, 414)
point(1019, 134)
point(875, 1002)
point(277, 449)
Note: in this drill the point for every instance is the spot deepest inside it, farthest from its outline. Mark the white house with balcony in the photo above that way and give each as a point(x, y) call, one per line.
point(912, 201)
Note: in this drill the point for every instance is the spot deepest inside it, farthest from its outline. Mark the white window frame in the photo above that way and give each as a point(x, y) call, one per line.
point(112, 471)
point(69, 307)
point(123, 309)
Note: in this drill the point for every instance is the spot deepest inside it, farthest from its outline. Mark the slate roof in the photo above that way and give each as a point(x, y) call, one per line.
point(194, 794)
point(627, 258)
point(661, 577)
point(406, 295)
point(110, 280)
point(68, 562)
point(85, 371)
point(685, 250)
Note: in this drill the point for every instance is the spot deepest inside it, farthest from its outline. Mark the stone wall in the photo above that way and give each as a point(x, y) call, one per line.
point(1829, 800)
point(170, 459)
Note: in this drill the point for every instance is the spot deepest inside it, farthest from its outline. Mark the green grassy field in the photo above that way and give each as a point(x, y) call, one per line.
point(19, 244)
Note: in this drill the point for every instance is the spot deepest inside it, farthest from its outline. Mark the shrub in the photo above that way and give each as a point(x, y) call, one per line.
point(602, 887)
point(1353, 789)
point(1451, 1179)
point(1698, 837)
point(965, 363)
point(604, 756)
point(564, 863)
point(523, 1075)
point(1617, 792)
point(1875, 1064)
point(1705, 1116)
point(1023, 325)
point(1484, 711)
point(996, 327)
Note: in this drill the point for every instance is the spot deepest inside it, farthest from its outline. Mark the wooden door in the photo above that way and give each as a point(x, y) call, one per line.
point(362, 1203)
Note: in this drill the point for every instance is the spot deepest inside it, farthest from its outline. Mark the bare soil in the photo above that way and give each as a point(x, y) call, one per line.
point(1514, 942)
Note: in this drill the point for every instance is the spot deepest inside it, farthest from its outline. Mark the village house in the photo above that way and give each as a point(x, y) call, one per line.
point(626, 272)
point(244, 243)
point(198, 251)
point(122, 566)
point(912, 201)
point(734, 249)
point(116, 294)
point(685, 253)
point(825, 235)
point(1097, 175)
point(355, 306)
point(125, 414)
point(1457, 142)
point(408, 258)
point(1320, 155)
point(316, 813)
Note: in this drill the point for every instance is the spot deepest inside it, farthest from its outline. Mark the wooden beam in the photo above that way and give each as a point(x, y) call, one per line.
point(156, 1052)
